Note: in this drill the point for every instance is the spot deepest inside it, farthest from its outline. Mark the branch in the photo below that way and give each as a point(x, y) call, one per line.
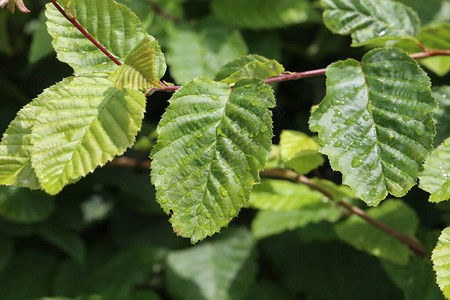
point(283, 77)
point(130, 163)
point(415, 246)
point(163, 13)
point(71, 19)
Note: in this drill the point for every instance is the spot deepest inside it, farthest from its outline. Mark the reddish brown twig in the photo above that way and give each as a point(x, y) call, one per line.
point(414, 245)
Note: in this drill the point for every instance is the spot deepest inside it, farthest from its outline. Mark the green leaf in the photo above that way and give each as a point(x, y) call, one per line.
point(113, 25)
point(299, 151)
point(435, 177)
point(251, 65)
point(274, 194)
point(266, 290)
point(264, 14)
point(267, 222)
point(325, 270)
point(6, 250)
point(202, 50)
point(27, 275)
point(85, 122)
point(370, 20)
point(67, 241)
point(213, 141)
point(442, 115)
point(24, 206)
point(431, 11)
point(145, 295)
point(436, 37)
point(216, 270)
point(375, 122)
point(441, 263)
point(416, 279)
point(139, 70)
point(115, 278)
point(15, 148)
point(366, 237)
point(41, 45)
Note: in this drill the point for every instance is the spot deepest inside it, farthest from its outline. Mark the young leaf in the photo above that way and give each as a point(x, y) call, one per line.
point(299, 151)
point(15, 148)
point(23, 206)
point(201, 51)
point(366, 237)
point(139, 70)
point(441, 263)
point(268, 222)
point(251, 65)
point(264, 14)
point(84, 123)
point(213, 141)
point(113, 25)
point(375, 122)
point(221, 269)
point(442, 115)
point(275, 194)
point(370, 20)
point(435, 177)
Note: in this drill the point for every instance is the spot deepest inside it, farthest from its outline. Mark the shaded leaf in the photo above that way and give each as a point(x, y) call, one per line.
point(41, 45)
point(441, 262)
point(267, 222)
point(366, 237)
point(274, 194)
point(435, 177)
point(6, 250)
point(201, 51)
point(375, 122)
point(431, 11)
point(213, 141)
point(24, 206)
point(442, 115)
point(67, 241)
point(215, 270)
point(85, 122)
point(370, 20)
point(116, 28)
point(299, 151)
point(139, 70)
point(27, 275)
point(264, 14)
point(249, 66)
point(436, 37)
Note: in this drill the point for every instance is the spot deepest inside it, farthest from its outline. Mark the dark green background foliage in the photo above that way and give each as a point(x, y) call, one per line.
point(106, 238)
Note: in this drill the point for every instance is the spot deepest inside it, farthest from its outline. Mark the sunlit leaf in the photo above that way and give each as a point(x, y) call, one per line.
point(375, 123)
point(213, 141)
point(299, 151)
point(435, 177)
point(441, 264)
point(85, 122)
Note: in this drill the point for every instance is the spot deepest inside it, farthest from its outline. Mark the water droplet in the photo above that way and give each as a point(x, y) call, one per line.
point(166, 181)
point(223, 191)
point(161, 172)
point(166, 155)
point(337, 113)
point(226, 172)
point(214, 97)
point(248, 85)
point(208, 215)
point(366, 118)
point(199, 135)
point(232, 211)
point(334, 121)
point(419, 132)
point(163, 201)
point(188, 194)
point(357, 162)
point(338, 144)
point(391, 136)
point(196, 106)
point(187, 210)
point(200, 208)
point(189, 145)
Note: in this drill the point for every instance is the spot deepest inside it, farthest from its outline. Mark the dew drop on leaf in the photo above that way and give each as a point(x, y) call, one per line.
point(223, 191)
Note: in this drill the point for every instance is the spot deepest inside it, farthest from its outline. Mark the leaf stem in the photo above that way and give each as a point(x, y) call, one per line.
point(71, 18)
point(414, 245)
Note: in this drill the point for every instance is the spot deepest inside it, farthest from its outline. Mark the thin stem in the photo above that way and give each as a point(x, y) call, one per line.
point(415, 246)
point(71, 18)
point(429, 53)
point(163, 13)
